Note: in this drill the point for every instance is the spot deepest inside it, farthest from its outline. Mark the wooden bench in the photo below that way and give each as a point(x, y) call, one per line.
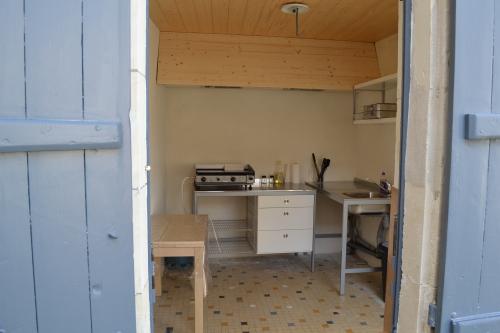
point(181, 236)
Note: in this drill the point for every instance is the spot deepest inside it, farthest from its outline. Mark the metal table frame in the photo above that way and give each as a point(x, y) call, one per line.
point(345, 201)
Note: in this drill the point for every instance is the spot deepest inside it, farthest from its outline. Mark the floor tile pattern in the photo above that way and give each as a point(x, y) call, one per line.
point(273, 294)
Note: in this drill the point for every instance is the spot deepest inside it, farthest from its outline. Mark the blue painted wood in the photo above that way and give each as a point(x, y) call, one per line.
point(468, 261)
point(17, 294)
point(49, 134)
point(108, 173)
point(12, 58)
point(484, 323)
point(57, 183)
point(489, 299)
point(482, 126)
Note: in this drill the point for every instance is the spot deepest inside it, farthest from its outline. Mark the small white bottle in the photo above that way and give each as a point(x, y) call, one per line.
point(263, 181)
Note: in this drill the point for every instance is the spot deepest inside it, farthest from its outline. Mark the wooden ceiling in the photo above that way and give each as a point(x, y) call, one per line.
point(343, 20)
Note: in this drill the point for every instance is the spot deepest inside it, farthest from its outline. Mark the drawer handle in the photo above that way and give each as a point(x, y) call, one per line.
point(285, 235)
point(286, 213)
point(286, 201)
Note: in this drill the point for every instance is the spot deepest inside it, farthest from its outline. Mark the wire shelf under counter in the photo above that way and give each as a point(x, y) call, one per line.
point(230, 247)
point(228, 238)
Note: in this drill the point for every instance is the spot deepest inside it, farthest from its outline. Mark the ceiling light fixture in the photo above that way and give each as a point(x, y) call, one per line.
point(295, 8)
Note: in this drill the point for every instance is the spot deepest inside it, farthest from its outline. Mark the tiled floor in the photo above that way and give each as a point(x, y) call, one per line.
point(273, 294)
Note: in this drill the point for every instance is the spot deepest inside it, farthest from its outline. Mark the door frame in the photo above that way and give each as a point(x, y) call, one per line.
point(139, 115)
point(405, 97)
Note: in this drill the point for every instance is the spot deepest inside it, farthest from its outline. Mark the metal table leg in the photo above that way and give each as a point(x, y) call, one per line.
point(343, 259)
point(195, 204)
point(313, 251)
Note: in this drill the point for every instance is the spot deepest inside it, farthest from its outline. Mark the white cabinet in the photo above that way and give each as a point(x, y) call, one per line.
point(284, 241)
point(284, 224)
point(285, 218)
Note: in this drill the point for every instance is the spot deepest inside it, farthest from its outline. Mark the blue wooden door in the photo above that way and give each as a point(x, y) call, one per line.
point(66, 261)
point(469, 298)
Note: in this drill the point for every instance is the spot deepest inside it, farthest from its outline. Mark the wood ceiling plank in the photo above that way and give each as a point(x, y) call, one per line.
point(173, 20)
point(252, 16)
point(319, 17)
point(271, 11)
point(156, 14)
point(220, 13)
point(368, 26)
point(203, 13)
point(354, 20)
point(188, 15)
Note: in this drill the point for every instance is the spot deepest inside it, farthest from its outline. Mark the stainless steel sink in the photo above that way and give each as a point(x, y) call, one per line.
point(365, 195)
point(367, 209)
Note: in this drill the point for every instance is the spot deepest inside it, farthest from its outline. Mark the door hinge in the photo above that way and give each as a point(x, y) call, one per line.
point(432, 316)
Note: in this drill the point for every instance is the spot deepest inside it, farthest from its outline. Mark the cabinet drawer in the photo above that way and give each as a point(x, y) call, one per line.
point(284, 241)
point(269, 201)
point(285, 218)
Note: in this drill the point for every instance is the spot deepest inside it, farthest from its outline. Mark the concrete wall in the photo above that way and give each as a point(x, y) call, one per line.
point(425, 161)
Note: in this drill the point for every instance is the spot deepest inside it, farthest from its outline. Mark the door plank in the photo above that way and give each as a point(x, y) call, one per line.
point(490, 275)
point(17, 300)
point(108, 172)
point(57, 188)
point(468, 177)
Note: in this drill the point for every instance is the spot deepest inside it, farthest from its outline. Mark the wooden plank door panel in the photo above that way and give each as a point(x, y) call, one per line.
point(17, 300)
point(57, 184)
point(468, 296)
point(490, 278)
point(66, 248)
point(106, 71)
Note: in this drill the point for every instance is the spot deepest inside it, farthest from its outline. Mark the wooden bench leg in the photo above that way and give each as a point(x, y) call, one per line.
point(159, 268)
point(198, 290)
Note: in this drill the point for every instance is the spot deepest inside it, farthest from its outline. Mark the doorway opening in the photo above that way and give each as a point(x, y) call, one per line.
point(231, 93)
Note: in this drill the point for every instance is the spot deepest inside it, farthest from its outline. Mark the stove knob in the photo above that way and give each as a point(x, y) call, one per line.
point(233, 179)
point(218, 179)
point(203, 179)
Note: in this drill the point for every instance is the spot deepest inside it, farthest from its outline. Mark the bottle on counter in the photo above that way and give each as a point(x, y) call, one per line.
point(385, 186)
point(263, 181)
point(279, 176)
point(271, 180)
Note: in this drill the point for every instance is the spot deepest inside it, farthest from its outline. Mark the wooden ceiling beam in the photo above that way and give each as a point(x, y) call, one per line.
point(266, 62)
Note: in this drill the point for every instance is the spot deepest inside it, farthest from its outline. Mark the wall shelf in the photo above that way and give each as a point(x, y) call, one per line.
point(377, 84)
point(381, 90)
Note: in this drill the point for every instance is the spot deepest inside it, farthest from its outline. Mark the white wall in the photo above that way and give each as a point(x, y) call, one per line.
point(387, 54)
point(256, 126)
point(157, 103)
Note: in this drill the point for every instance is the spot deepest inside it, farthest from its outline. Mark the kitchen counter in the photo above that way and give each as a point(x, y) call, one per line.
point(287, 189)
point(280, 219)
point(335, 191)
